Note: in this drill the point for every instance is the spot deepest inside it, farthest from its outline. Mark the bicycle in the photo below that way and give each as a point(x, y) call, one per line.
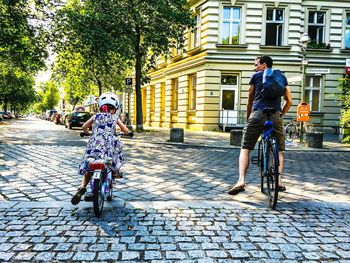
point(268, 160)
point(101, 181)
point(294, 129)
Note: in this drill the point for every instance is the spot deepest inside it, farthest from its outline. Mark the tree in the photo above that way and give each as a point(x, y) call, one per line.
point(16, 88)
point(136, 30)
point(48, 96)
point(23, 39)
point(82, 31)
point(148, 31)
point(23, 36)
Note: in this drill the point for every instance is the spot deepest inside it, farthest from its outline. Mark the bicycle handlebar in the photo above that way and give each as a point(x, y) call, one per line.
point(130, 134)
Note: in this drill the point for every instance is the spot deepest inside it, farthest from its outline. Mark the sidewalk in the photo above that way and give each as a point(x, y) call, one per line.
point(156, 135)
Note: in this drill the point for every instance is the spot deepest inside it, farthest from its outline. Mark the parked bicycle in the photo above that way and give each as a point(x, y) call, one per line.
point(268, 160)
point(294, 129)
point(101, 181)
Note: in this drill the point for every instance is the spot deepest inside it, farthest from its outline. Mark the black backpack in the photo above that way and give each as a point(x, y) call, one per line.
point(273, 84)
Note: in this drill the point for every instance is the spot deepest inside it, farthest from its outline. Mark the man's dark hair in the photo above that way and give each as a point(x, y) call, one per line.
point(266, 59)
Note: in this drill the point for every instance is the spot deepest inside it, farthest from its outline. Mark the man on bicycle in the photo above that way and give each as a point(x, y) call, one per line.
point(256, 119)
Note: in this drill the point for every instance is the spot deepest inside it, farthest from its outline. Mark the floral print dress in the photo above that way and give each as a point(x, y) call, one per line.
point(103, 143)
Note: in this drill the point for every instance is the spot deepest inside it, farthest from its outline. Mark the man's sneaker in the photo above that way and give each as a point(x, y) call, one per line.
point(77, 197)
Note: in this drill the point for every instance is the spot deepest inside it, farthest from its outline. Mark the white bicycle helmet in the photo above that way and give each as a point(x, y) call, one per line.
point(108, 98)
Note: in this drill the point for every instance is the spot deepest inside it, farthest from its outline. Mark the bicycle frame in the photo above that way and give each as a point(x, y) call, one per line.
point(267, 149)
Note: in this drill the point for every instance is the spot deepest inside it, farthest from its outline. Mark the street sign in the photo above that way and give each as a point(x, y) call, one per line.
point(128, 81)
point(318, 70)
point(347, 66)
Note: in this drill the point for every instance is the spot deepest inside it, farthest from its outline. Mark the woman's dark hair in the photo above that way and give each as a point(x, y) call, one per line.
point(266, 59)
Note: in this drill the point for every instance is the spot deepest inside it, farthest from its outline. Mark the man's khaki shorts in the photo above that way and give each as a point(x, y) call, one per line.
point(255, 125)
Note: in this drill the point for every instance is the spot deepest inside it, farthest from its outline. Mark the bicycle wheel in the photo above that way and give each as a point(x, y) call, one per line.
point(261, 166)
point(98, 199)
point(272, 173)
point(110, 191)
point(290, 132)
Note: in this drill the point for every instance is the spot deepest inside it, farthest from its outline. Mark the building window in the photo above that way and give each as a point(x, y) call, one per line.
point(175, 90)
point(195, 36)
point(274, 27)
point(192, 92)
point(231, 23)
point(316, 27)
point(347, 32)
point(313, 87)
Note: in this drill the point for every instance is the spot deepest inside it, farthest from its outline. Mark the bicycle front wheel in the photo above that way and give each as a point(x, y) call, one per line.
point(261, 165)
point(290, 132)
point(272, 173)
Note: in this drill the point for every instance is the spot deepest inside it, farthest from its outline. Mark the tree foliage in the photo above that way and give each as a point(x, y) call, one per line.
point(48, 97)
point(23, 39)
point(344, 97)
point(84, 32)
point(134, 31)
point(16, 88)
point(151, 26)
point(23, 36)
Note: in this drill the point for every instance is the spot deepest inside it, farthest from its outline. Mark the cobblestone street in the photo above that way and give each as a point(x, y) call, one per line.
point(171, 205)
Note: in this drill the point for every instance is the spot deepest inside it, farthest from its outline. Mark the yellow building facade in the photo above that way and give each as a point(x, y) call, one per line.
point(205, 85)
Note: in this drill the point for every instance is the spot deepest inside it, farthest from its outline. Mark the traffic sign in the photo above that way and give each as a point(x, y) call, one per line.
point(347, 66)
point(128, 81)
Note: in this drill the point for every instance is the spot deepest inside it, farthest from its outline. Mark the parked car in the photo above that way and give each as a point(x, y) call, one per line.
point(77, 119)
point(5, 115)
point(49, 114)
point(64, 116)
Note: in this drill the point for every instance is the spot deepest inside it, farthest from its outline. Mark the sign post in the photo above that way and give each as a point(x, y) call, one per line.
point(128, 84)
point(303, 114)
point(347, 66)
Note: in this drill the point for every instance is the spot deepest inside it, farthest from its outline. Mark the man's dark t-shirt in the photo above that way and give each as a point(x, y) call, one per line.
point(260, 102)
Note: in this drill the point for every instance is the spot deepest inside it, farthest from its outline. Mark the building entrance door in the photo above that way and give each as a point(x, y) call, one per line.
point(228, 116)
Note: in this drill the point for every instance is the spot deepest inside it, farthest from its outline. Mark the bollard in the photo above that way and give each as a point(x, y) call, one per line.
point(314, 139)
point(177, 135)
point(236, 137)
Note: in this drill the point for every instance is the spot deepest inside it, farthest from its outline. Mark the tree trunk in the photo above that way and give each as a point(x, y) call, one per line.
point(139, 117)
point(99, 83)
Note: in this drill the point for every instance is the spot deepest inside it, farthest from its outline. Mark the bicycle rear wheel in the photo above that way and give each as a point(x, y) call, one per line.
point(290, 132)
point(272, 173)
point(98, 198)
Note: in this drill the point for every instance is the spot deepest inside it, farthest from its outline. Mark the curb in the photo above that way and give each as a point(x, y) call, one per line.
point(194, 145)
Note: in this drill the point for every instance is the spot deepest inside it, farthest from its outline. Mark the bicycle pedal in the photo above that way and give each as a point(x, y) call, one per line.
point(88, 197)
point(255, 160)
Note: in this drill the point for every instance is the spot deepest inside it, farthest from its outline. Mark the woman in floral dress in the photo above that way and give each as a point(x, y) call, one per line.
point(103, 143)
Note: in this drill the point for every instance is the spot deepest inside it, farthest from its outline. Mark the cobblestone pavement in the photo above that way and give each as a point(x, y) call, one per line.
point(175, 235)
point(172, 206)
